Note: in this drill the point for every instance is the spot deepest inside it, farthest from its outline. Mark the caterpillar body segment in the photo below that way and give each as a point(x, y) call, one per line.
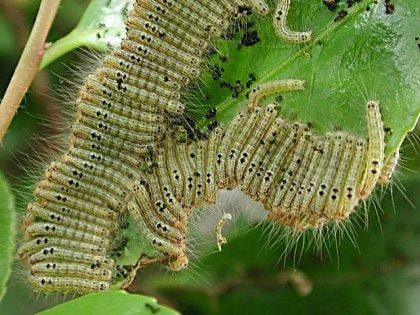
point(223, 150)
point(188, 171)
point(286, 187)
point(277, 162)
point(211, 25)
point(80, 223)
point(169, 19)
point(177, 177)
point(306, 182)
point(166, 237)
point(255, 168)
point(337, 187)
point(332, 166)
point(255, 137)
point(296, 182)
point(315, 177)
point(164, 244)
point(39, 229)
point(165, 188)
point(177, 37)
point(136, 83)
point(354, 174)
point(200, 173)
point(63, 254)
point(147, 71)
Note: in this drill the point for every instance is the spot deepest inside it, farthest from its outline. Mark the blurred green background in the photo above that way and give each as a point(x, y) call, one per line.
point(381, 275)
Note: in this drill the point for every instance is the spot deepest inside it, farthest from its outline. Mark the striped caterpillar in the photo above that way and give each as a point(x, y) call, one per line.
point(124, 158)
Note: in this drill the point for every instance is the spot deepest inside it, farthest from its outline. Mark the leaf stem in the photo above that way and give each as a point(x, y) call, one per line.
point(28, 65)
point(66, 44)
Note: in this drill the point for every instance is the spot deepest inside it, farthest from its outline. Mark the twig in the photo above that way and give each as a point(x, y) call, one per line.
point(28, 65)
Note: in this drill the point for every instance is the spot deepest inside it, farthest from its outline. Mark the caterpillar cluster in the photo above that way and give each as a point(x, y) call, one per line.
point(303, 179)
point(124, 158)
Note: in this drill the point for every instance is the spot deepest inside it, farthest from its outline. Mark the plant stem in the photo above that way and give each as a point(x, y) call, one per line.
point(28, 65)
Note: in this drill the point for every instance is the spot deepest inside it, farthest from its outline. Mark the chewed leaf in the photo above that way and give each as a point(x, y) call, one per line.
point(101, 27)
point(366, 54)
point(111, 302)
point(8, 232)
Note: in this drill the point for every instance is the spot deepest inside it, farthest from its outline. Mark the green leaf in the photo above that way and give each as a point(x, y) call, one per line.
point(100, 28)
point(111, 302)
point(7, 234)
point(367, 55)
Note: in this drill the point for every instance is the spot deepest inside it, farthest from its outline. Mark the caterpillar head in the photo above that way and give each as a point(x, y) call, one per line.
point(178, 263)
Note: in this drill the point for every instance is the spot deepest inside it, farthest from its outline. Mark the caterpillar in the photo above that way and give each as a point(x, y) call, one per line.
point(125, 158)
